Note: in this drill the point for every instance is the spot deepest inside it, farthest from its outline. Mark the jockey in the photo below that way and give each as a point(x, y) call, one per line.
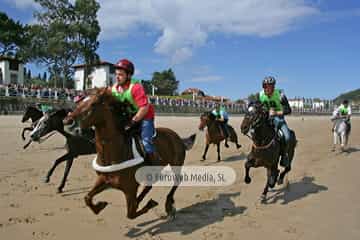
point(278, 106)
point(344, 110)
point(44, 107)
point(222, 117)
point(129, 89)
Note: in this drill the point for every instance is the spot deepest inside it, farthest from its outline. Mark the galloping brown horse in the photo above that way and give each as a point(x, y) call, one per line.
point(266, 148)
point(215, 134)
point(113, 146)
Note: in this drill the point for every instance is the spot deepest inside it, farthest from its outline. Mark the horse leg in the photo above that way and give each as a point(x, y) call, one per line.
point(270, 182)
point(143, 193)
point(218, 152)
point(26, 145)
point(66, 173)
point(334, 141)
point(57, 162)
point(100, 185)
point(346, 139)
point(169, 205)
point(226, 136)
point(226, 143)
point(248, 164)
point(205, 152)
point(24, 130)
point(132, 205)
point(272, 175)
point(234, 139)
point(282, 175)
point(266, 189)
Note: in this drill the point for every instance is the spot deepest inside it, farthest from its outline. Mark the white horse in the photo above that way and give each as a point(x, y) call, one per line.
point(341, 132)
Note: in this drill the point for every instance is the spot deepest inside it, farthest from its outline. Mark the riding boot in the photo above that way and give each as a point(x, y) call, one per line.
point(226, 134)
point(151, 159)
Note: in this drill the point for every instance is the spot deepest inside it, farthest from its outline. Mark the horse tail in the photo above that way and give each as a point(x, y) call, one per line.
point(189, 142)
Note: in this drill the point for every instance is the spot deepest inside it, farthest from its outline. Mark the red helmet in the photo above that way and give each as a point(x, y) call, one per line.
point(126, 65)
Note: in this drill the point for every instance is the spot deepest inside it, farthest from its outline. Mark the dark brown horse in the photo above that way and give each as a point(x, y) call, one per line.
point(76, 144)
point(109, 117)
point(266, 148)
point(215, 134)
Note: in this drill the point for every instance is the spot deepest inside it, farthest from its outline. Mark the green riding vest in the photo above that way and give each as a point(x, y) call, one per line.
point(126, 95)
point(344, 110)
point(219, 113)
point(271, 102)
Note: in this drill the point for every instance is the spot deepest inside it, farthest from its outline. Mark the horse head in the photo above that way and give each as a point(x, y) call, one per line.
point(205, 119)
point(33, 113)
point(254, 117)
point(49, 122)
point(97, 107)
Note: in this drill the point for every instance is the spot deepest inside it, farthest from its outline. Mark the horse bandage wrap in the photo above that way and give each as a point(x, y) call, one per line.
point(120, 166)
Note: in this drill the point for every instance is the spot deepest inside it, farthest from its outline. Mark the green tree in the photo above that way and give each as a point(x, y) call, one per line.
point(13, 36)
point(147, 86)
point(165, 82)
point(28, 75)
point(44, 77)
point(53, 40)
point(87, 30)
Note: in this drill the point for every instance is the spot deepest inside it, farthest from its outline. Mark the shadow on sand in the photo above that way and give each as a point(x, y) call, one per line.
point(296, 191)
point(193, 217)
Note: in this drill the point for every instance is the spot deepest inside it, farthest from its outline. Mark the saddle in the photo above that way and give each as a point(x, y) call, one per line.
point(135, 133)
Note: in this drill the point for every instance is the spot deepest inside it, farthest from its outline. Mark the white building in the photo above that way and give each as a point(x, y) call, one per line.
point(103, 75)
point(318, 105)
point(296, 103)
point(11, 71)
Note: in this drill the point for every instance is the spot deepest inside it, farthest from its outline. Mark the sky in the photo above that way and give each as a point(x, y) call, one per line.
point(226, 47)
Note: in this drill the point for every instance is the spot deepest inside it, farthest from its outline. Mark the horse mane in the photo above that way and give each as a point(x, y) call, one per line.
point(121, 110)
point(209, 115)
point(60, 112)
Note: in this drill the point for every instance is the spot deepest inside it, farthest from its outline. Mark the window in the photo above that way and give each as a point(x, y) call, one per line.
point(13, 78)
point(14, 65)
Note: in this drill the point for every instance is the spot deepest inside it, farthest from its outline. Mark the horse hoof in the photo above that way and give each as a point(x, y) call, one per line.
point(59, 190)
point(99, 206)
point(280, 181)
point(238, 146)
point(247, 180)
point(203, 158)
point(263, 198)
point(227, 145)
point(46, 180)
